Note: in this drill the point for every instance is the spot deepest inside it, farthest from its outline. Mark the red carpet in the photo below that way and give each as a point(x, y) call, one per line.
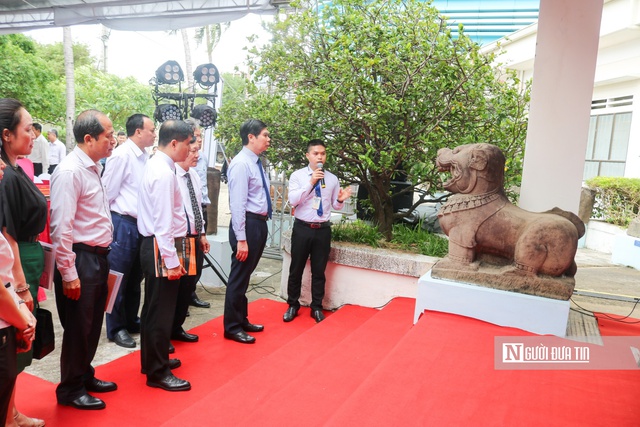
point(613, 325)
point(358, 367)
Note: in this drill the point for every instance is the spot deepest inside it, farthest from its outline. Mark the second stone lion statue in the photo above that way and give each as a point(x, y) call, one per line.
point(483, 225)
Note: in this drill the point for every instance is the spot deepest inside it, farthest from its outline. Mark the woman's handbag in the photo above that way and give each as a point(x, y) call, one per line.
point(44, 341)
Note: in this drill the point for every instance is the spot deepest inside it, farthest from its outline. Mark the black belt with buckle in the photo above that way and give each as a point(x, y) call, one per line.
point(314, 225)
point(125, 217)
point(98, 250)
point(257, 216)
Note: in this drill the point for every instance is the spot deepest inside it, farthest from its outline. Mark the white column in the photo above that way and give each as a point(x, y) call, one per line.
point(563, 76)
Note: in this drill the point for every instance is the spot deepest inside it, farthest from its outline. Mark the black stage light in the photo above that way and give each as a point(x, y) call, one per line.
point(167, 112)
point(205, 114)
point(206, 75)
point(169, 73)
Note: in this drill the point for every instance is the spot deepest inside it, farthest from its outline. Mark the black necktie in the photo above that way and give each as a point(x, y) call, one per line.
point(194, 205)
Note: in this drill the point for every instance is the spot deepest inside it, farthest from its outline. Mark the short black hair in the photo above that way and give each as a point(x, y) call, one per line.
point(174, 129)
point(314, 143)
point(251, 127)
point(87, 123)
point(121, 132)
point(134, 123)
point(38, 127)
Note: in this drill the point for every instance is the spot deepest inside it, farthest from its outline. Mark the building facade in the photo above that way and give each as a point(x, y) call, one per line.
point(613, 146)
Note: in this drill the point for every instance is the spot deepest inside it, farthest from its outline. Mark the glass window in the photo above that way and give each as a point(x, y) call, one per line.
point(607, 145)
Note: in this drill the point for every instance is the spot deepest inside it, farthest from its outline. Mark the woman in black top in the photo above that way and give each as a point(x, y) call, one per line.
point(23, 216)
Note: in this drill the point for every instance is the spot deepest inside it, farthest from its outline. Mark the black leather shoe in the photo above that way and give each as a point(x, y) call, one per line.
point(290, 314)
point(184, 336)
point(170, 383)
point(172, 349)
point(86, 401)
point(197, 302)
point(241, 337)
point(134, 329)
point(250, 327)
point(99, 386)
point(174, 364)
point(317, 315)
point(123, 339)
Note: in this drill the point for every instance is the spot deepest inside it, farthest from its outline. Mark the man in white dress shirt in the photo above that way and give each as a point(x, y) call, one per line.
point(122, 177)
point(161, 219)
point(81, 233)
point(40, 153)
point(189, 183)
point(57, 150)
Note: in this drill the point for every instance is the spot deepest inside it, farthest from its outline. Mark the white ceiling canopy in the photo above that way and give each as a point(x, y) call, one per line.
point(132, 15)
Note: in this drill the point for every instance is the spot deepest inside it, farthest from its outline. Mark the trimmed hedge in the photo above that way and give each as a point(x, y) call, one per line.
point(617, 199)
point(413, 239)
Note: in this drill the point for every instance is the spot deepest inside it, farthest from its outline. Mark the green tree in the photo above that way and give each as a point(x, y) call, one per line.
point(117, 97)
point(53, 54)
point(35, 74)
point(26, 76)
point(386, 85)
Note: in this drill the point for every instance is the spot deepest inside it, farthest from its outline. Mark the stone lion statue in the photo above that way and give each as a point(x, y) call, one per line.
point(495, 243)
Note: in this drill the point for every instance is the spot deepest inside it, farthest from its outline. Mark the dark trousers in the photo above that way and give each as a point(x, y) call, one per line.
point(125, 258)
point(235, 299)
point(185, 293)
point(82, 323)
point(156, 320)
point(37, 169)
point(199, 273)
point(314, 243)
point(51, 169)
point(8, 368)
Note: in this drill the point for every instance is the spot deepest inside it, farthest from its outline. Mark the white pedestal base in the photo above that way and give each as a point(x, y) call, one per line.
point(220, 251)
point(534, 314)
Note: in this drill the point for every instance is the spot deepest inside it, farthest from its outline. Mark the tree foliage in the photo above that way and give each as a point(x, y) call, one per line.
point(26, 76)
point(119, 98)
point(34, 74)
point(386, 85)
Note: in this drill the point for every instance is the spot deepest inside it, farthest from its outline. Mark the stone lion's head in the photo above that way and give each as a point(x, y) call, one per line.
point(474, 168)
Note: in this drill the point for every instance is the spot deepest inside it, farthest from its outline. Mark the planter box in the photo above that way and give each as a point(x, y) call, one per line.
point(360, 275)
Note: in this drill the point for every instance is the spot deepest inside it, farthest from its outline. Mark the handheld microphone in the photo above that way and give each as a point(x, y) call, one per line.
point(320, 166)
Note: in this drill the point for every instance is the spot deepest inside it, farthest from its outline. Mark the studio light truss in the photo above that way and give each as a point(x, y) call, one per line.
point(180, 105)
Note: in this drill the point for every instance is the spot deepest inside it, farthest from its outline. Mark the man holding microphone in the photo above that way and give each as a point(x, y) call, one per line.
point(313, 191)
